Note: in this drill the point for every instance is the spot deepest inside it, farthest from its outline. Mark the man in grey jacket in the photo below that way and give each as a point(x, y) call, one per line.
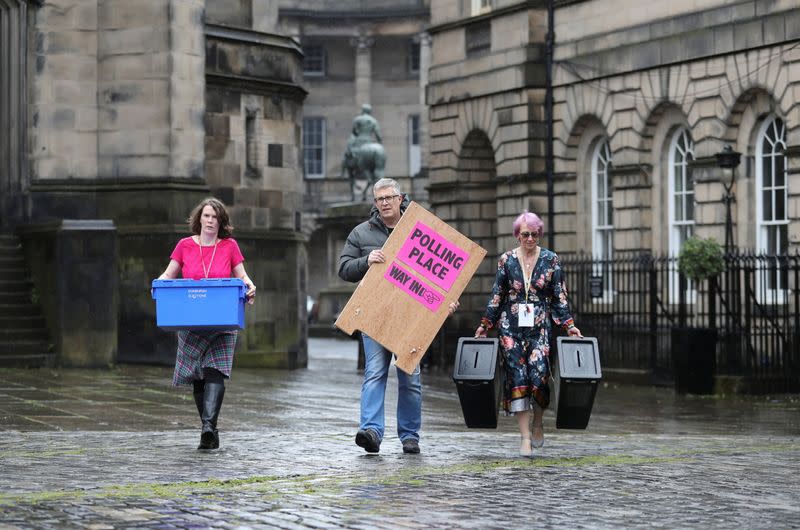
point(362, 249)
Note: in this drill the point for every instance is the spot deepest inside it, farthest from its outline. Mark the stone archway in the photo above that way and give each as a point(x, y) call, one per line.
point(467, 201)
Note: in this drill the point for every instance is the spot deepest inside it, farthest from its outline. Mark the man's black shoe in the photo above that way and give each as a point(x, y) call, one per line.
point(369, 440)
point(410, 446)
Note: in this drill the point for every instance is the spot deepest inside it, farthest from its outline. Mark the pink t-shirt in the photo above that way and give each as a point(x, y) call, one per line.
point(218, 263)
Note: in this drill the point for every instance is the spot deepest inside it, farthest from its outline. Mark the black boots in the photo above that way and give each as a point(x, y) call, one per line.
point(211, 400)
point(199, 386)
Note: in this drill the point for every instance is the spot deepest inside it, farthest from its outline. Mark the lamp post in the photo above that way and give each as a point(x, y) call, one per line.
point(728, 159)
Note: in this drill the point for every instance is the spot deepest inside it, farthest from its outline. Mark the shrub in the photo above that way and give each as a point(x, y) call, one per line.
point(700, 258)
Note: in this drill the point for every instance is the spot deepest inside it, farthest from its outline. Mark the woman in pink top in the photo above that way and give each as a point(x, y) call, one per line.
point(205, 358)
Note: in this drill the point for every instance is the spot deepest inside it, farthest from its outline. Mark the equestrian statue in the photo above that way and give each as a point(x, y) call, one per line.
point(364, 159)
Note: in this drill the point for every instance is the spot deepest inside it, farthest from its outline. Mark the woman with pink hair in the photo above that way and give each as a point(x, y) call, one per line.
point(529, 295)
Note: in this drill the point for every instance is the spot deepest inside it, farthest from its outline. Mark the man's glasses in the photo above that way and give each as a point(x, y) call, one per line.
point(526, 235)
point(386, 199)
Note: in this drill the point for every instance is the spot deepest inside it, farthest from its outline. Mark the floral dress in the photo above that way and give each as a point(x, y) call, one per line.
point(526, 350)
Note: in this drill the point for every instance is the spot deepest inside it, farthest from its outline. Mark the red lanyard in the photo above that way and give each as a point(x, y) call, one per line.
point(210, 263)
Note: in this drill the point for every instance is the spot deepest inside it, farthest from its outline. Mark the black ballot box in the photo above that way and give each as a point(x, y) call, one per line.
point(479, 380)
point(575, 376)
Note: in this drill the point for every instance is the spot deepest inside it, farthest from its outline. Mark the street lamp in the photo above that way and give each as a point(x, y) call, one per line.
point(728, 159)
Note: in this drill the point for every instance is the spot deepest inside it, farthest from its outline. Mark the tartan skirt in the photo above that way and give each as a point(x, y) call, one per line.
point(203, 349)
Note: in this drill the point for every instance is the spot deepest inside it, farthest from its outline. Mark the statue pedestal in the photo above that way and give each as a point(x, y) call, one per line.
point(351, 211)
point(330, 292)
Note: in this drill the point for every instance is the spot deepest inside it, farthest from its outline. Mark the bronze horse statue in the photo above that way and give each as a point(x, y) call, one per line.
point(365, 162)
point(364, 159)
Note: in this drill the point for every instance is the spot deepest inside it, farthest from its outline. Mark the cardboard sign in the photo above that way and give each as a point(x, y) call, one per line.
point(403, 302)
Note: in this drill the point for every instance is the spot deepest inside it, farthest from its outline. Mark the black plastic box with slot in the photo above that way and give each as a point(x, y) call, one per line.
point(479, 379)
point(575, 376)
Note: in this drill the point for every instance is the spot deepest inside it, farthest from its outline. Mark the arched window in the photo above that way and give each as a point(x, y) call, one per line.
point(681, 190)
point(680, 205)
point(772, 222)
point(602, 216)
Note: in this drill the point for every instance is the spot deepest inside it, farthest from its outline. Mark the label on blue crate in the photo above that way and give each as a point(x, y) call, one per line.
point(214, 304)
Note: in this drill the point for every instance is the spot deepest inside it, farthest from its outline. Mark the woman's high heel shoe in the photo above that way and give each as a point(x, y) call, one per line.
point(525, 447)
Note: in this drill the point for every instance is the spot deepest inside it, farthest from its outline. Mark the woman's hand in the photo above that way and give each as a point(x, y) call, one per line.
point(480, 332)
point(251, 292)
point(239, 272)
point(574, 332)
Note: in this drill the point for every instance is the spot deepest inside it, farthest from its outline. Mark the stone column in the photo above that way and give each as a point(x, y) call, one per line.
point(419, 185)
point(363, 44)
point(14, 173)
point(424, 65)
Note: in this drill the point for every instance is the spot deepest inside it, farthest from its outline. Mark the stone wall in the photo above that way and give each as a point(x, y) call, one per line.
point(253, 119)
point(117, 89)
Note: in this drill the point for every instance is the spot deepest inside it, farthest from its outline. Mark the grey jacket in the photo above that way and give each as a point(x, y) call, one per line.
point(363, 239)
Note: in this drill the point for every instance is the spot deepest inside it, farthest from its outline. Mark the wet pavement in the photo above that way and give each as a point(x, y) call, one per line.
point(116, 449)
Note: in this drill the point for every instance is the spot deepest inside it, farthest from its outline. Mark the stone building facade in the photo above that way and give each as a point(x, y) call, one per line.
point(356, 52)
point(131, 112)
point(654, 95)
point(645, 94)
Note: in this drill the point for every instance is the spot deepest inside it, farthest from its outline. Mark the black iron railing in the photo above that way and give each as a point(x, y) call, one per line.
point(634, 302)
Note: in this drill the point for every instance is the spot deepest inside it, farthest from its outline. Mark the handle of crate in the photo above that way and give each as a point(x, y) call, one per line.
point(178, 281)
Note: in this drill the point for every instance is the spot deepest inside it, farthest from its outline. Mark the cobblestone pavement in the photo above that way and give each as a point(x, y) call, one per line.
point(116, 449)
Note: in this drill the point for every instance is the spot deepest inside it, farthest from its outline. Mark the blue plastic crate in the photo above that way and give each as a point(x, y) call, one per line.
point(200, 304)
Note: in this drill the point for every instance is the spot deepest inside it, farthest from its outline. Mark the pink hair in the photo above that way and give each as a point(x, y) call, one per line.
point(530, 219)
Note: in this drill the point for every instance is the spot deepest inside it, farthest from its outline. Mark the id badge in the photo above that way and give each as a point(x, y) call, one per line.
point(525, 315)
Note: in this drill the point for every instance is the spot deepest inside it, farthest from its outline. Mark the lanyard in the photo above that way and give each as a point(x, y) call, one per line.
point(527, 277)
point(206, 271)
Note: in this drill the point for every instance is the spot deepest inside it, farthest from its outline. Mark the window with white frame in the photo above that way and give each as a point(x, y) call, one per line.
point(772, 222)
point(681, 189)
point(313, 60)
point(602, 217)
point(314, 147)
point(680, 207)
point(414, 152)
point(480, 6)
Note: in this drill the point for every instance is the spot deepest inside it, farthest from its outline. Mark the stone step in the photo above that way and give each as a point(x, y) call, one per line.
point(23, 297)
point(14, 261)
point(11, 285)
point(19, 309)
point(13, 335)
point(9, 241)
point(24, 347)
point(8, 249)
point(15, 321)
point(17, 274)
point(26, 360)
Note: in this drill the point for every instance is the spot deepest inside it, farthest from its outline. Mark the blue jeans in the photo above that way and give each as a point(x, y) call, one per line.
point(373, 392)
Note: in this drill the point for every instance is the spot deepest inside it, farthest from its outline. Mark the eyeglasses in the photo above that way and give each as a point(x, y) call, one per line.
point(386, 199)
point(526, 235)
